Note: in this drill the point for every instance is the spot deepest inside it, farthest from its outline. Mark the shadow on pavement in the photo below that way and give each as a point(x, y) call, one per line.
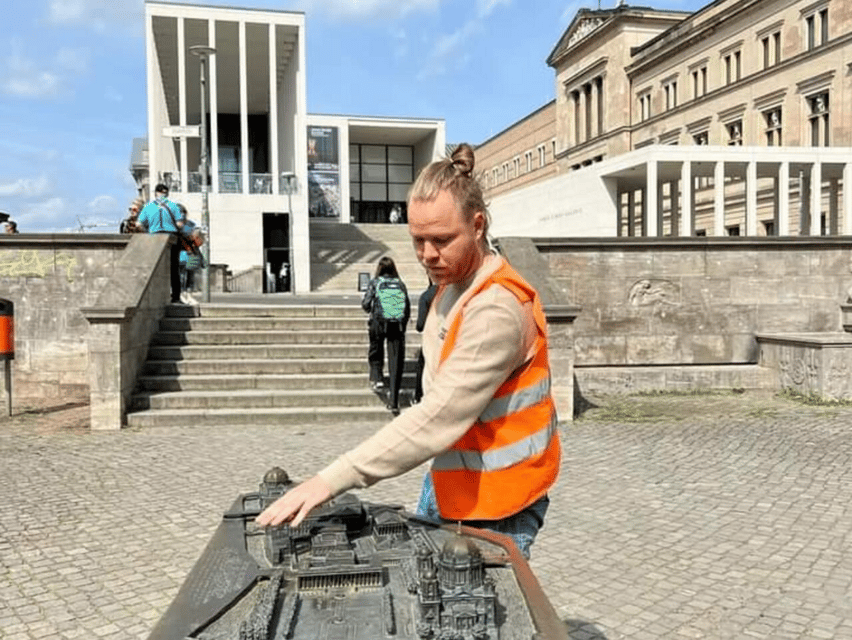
point(583, 630)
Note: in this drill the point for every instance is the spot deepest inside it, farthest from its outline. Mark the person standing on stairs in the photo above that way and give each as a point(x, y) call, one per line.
point(487, 419)
point(386, 300)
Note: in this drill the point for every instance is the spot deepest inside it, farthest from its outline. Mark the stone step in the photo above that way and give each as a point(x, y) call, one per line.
point(293, 416)
point(348, 336)
point(261, 367)
point(265, 311)
point(253, 323)
point(239, 382)
point(257, 399)
point(279, 352)
point(603, 380)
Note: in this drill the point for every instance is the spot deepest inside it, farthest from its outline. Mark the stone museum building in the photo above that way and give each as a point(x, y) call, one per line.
point(273, 168)
point(733, 120)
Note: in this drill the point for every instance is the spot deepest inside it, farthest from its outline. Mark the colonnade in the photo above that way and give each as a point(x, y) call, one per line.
point(817, 193)
point(586, 104)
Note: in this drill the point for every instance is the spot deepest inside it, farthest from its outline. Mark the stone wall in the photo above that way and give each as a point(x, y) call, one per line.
point(671, 301)
point(69, 292)
point(49, 278)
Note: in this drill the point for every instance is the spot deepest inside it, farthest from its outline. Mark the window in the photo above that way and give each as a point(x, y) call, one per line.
point(769, 227)
point(516, 166)
point(735, 133)
point(816, 28)
point(733, 230)
point(670, 92)
point(701, 233)
point(542, 151)
point(528, 156)
point(819, 119)
point(495, 176)
point(645, 106)
point(699, 82)
point(771, 47)
point(732, 63)
point(773, 127)
point(701, 138)
point(553, 149)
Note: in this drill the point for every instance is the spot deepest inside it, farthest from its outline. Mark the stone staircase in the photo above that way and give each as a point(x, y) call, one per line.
point(225, 364)
point(339, 252)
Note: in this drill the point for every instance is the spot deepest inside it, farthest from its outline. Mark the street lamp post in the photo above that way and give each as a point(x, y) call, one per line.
point(204, 52)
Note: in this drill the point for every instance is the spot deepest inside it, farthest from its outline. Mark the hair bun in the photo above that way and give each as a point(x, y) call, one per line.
point(463, 159)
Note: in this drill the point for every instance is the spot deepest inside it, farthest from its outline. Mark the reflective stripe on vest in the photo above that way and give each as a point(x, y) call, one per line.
point(514, 402)
point(495, 459)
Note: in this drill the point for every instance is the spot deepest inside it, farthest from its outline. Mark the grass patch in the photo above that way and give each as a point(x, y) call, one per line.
point(812, 399)
point(656, 393)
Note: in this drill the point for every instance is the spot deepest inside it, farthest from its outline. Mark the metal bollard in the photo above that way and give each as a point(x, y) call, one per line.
point(7, 347)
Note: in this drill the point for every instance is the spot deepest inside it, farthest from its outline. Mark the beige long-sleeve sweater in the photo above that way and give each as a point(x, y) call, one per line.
point(496, 337)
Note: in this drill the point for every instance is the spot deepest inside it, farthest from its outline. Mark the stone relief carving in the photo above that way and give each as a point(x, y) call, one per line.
point(838, 383)
point(583, 29)
point(849, 294)
point(654, 293)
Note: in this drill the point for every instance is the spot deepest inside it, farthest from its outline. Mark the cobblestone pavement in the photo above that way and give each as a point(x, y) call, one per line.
point(717, 516)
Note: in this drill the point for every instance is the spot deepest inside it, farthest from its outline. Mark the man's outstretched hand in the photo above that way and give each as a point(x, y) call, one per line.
point(294, 505)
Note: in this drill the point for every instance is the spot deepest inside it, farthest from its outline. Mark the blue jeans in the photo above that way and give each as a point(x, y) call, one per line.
point(521, 527)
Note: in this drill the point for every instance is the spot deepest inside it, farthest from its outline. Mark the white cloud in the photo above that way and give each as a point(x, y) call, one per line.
point(22, 76)
point(25, 187)
point(390, 9)
point(447, 46)
point(42, 216)
point(101, 205)
point(97, 15)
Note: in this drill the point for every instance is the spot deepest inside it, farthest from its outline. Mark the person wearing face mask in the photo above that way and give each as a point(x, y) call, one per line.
point(161, 215)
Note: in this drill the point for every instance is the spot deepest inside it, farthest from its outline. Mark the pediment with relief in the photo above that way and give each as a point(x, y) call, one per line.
point(583, 29)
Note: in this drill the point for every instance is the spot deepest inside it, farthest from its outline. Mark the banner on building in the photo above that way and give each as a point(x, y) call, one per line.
point(323, 172)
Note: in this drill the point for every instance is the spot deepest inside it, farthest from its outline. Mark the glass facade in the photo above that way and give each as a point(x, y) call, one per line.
point(379, 179)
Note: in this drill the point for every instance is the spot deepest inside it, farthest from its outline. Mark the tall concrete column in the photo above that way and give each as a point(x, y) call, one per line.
point(244, 137)
point(575, 100)
point(833, 198)
point(154, 167)
point(816, 198)
point(631, 213)
point(273, 110)
point(650, 200)
point(784, 199)
point(601, 105)
point(719, 199)
point(594, 105)
point(751, 199)
point(213, 104)
point(581, 121)
point(674, 199)
point(619, 213)
point(181, 67)
point(587, 111)
point(686, 196)
point(847, 199)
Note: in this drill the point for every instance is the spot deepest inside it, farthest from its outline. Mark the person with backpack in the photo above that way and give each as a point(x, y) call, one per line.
point(161, 215)
point(386, 300)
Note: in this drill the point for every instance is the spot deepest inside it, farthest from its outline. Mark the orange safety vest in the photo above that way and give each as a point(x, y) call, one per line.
point(509, 457)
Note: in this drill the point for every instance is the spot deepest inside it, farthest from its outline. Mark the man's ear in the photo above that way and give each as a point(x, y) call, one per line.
point(479, 224)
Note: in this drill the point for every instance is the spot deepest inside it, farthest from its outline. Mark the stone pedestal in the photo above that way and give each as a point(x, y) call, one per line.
point(818, 364)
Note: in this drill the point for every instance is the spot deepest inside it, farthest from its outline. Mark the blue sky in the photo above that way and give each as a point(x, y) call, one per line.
point(72, 84)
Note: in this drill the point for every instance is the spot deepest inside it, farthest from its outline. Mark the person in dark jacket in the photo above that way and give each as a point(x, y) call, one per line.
point(386, 300)
point(423, 306)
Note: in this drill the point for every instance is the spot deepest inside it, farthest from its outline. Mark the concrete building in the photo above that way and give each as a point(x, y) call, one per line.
point(762, 87)
point(273, 167)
